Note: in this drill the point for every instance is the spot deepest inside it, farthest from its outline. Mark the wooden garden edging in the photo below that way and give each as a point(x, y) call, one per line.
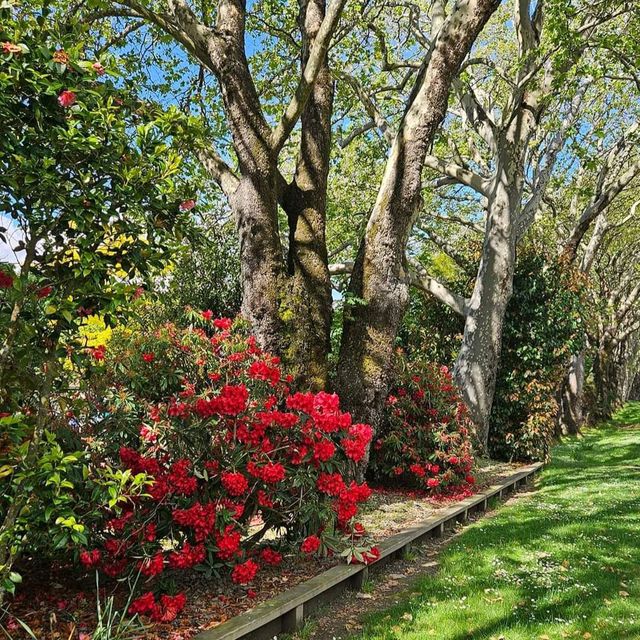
point(286, 612)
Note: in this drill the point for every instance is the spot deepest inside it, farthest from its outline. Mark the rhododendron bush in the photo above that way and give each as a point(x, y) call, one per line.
point(425, 441)
point(230, 452)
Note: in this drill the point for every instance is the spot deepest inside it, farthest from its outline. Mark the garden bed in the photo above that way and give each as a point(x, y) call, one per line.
point(56, 603)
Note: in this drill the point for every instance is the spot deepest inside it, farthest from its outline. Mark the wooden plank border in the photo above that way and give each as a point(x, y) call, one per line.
point(287, 611)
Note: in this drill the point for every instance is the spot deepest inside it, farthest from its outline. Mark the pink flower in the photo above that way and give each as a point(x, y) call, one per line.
point(9, 47)
point(187, 205)
point(67, 99)
point(98, 68)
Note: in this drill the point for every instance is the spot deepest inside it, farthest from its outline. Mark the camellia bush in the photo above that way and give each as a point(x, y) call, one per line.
point(426, 439)
point(230, 452)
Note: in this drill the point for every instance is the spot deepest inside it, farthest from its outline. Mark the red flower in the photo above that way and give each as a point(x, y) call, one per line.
point(245, 572)
point(152, 566)
point(198, 516)
point(432, 483)
point(470, 479)
point(228, 543)
point(207, 315)
point(179, 478)
point(150, 532)
point(168, 608)
point(271, 557)
point(223, 323)
point(235, 483)
point(90, 559)
point(188, 556)
point(323, 450)
point(260, 370)
point(272, 473)
point(330, 483)
point(143, 604)
point(99, 352)
point(187, 205)
point(310, 544)
point(148, 357)
point(67, 99)
point(6, 280)
point(417, 470)
point(371, 556)
point(44, 292)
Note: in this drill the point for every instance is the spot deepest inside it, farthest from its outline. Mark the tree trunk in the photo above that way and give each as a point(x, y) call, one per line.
point(606, 384)
point(476, 367)
point(288, 303)
point(379, 280)
point(572, 396)
point(310, 304)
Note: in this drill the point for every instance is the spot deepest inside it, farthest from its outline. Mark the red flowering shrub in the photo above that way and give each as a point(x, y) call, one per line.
point(425, 439)
point(226, 445)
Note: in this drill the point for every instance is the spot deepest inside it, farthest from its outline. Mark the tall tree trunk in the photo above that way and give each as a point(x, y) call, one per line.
point(287, 302)
point(572, 397)
point(379, 279)
point(310, 305)
point(476, 366)
point(606, 384)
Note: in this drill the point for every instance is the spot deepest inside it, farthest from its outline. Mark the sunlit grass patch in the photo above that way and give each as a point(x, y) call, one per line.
point(561, 563)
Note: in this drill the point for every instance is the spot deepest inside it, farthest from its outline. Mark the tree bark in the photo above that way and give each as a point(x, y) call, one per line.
point(476, 366)
point(310, 303)
point(380, 278)
point(571, 397)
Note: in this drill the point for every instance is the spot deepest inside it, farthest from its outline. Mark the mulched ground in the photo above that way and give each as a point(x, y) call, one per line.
point(56, 603)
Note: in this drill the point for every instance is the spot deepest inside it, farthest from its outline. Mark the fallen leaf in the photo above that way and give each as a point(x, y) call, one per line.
point(624, 594)
point(407, 616)
point(364, 596)
point(586, 635)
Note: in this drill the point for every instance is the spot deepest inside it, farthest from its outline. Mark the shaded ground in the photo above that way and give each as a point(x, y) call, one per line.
point(562, 562)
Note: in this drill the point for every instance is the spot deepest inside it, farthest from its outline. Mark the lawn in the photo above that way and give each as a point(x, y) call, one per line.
point(563, 562)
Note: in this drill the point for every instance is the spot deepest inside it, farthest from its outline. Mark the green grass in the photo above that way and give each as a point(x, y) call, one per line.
point(561, 563)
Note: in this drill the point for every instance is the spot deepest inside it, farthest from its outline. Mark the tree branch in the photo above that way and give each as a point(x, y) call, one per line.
point(317, 55)
point(421, 280)
point(458, 173)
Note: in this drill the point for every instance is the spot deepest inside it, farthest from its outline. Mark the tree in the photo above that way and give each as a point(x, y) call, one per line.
point(501, 147)
point(288, 299)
